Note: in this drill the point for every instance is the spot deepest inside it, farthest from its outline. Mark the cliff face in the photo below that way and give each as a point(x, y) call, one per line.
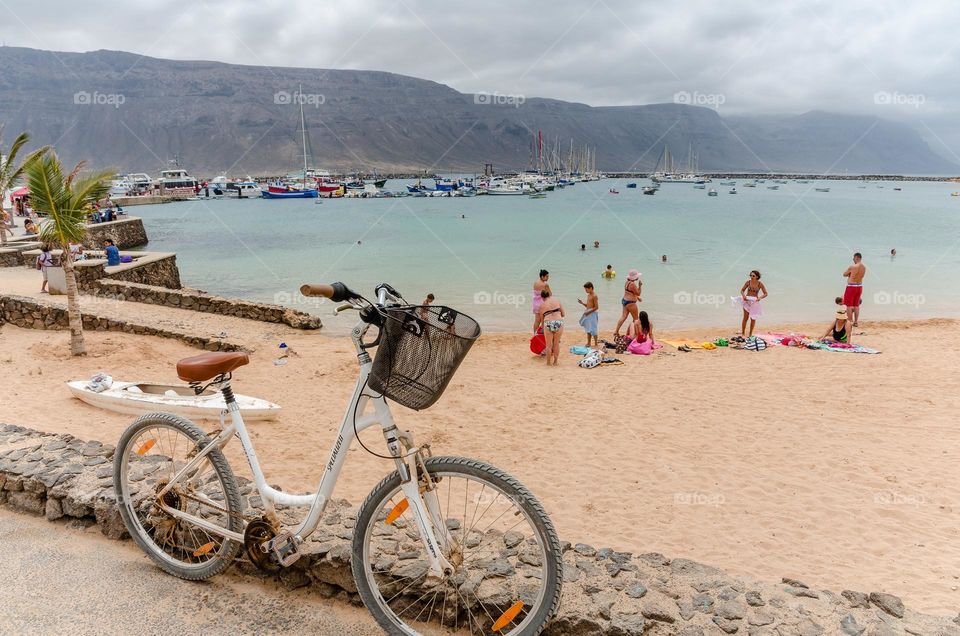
point(135, 113)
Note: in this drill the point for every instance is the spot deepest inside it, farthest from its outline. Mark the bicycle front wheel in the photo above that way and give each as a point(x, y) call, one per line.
point(497, 536)
point(151, 453)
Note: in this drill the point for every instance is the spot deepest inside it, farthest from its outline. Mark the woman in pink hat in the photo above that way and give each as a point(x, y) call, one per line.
point(631, 296)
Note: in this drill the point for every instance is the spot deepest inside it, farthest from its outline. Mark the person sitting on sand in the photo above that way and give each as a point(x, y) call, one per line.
point(631, 296)
point(641, 329)
point(750, 297)
point(837, 331)
point(609, 272)
point(591, 316)
point(538, 287)
point(550, 315)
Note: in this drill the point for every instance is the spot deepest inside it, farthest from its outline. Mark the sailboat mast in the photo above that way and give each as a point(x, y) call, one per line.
point(303, 130)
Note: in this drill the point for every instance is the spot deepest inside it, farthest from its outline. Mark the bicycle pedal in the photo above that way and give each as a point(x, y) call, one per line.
point(284, 547)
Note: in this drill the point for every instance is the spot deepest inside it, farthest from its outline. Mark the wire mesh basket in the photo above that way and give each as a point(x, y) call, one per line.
point(419, 351)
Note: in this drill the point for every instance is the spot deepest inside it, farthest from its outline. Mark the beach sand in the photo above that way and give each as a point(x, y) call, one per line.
point(836, 469)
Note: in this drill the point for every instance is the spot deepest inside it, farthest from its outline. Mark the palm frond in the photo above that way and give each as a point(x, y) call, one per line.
point(51, 195)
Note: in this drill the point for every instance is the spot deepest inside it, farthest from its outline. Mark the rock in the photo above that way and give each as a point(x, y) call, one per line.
point(53, 509)
point(703, 603)
point(888, 603)
point(512, 539)
point(856, 599)
point(760, 618)
point(636, 590)
point(27, 502)
point(629, 624)
point(499, 567)
point(802, 591)
point(659, 611)
point(109, 520)
point(753, 598)
point(728, 627)
point(585, 550)
point(692, 568)
point(849, 626)
point(691, 630)
point(794, 582)
point(731, 610)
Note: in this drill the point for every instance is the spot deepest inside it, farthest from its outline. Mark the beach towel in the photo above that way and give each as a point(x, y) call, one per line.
point(644, 348)
point(751, 305)
point(679, 343)
point(842, 346)
point(590, 323)
point(580, 350)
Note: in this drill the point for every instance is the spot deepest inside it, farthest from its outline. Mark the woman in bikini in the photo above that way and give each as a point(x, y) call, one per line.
point(538, 287)
point(551, 316)
point(642, 329)
point(750, 297)
point(837, 331)
point(631, 296)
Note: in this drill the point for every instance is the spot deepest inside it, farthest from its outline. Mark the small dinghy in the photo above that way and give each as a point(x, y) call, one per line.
point(137, 398)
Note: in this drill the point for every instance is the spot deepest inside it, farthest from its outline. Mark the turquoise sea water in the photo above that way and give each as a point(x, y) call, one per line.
point(485, 264)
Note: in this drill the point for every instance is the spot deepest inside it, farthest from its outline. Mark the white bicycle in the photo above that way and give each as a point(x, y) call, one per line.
point(444, 542)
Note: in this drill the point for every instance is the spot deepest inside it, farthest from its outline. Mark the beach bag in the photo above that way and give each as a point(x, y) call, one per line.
point(538, 344)
point(644, 348)
point(590, 360)
point(100, 382)
point(126, 259)
point(757, 344)
point(621, 344)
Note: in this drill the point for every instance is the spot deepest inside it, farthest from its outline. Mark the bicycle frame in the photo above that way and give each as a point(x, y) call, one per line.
point(399, 443)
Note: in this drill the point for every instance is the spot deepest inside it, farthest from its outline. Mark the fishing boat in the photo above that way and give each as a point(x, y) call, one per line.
point(803, 181)
point(898, 189)
point(700, 186)
point(822, 189)
point(538, 195)
point(631, 185)
point(711, 193)
point(749, 184)
point(955, 194)
point(650, 189)
point(614, 191)
point(270, 193)
point(506, 190)
point(773, 187)
point(728, 183)
point(136, 398)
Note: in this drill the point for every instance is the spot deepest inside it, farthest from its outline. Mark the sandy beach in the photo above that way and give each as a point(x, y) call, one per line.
point(835, 468)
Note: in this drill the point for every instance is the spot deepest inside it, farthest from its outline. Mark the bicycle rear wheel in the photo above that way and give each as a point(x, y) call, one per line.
point(153, 449)
point(494, 532)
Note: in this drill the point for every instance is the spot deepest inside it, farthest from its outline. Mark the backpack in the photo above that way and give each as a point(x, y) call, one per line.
point(756, 344)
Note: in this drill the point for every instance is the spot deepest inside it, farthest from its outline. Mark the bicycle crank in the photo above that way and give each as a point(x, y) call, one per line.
point(256, 535)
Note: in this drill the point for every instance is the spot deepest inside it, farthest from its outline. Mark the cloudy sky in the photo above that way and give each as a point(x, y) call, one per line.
point(894, 59)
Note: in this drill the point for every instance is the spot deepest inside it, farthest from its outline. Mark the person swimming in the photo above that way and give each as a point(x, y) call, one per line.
point(609, 272)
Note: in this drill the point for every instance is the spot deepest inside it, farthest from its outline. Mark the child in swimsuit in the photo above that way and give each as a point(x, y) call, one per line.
point(551, 317)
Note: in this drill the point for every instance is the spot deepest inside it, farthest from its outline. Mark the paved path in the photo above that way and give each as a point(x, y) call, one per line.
point(61, 579)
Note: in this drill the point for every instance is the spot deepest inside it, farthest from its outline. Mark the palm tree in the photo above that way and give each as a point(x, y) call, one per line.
point(10, 173)
point(66, 200)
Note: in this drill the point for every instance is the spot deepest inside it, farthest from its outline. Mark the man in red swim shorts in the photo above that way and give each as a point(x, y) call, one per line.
point(852, 295)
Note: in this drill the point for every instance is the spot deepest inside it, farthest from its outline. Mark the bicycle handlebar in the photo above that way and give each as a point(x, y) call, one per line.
point(337, 292)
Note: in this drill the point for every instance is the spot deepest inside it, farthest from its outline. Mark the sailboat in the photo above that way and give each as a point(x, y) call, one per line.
point(279, 190)
point(665, 172)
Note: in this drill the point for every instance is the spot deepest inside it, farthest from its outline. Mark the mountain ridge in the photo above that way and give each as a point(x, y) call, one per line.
point(136, 112)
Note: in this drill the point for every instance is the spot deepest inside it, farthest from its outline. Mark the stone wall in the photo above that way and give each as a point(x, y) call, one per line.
point(605, 591)
point(29, 314)
point(126, 233)
point(12, 254)
point(198, 300)
point(149, 268)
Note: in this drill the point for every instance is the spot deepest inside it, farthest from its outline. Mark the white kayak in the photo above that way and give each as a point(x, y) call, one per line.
point(137, 398)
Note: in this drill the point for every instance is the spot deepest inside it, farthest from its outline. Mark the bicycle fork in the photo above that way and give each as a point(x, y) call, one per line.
point(419, 490)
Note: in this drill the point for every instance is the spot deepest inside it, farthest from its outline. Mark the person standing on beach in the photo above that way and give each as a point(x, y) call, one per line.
point(591, 318)
point(44, 261)
point(550, 316)
point(538, 287)
point(750, 301)
point(853, 294)
point(631, 296)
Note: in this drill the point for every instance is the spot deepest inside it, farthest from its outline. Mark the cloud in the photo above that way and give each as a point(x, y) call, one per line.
point(761, 56)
